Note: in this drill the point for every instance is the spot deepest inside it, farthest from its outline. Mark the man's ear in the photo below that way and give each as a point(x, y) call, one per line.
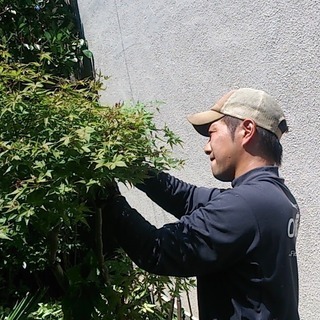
point(248, 130)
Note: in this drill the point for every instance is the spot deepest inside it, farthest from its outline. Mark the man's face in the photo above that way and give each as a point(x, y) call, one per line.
point(223, 151)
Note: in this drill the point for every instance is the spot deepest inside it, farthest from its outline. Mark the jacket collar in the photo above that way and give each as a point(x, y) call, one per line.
point(257, 173)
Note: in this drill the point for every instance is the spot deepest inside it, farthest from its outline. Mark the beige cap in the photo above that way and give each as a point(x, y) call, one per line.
point(244, 103)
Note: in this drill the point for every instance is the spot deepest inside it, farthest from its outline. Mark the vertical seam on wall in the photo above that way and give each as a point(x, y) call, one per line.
point(123, 49)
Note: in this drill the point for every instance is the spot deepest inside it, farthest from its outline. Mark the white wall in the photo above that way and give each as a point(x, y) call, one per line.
point(188, 53)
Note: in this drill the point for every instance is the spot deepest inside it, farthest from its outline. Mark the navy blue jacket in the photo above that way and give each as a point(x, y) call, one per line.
point(240, 243)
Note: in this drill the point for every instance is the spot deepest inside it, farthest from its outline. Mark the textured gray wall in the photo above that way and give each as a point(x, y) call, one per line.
point(188, 53)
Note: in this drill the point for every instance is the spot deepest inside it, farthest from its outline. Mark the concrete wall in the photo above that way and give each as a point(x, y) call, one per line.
point(188, 53)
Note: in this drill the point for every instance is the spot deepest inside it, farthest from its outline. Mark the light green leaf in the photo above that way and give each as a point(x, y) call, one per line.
point(85, 149)
point(4, 236)
point(120, 163)
point(87, 53)
point(65, 140)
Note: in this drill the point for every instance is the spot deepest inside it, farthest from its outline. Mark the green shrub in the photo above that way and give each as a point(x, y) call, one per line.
point(47, 29)
point(59, 151)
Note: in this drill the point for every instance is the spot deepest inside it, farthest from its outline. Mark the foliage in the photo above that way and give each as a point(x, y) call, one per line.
point(59, 144)
point(59, 152)
point(43, 30)
point(23, 308)
point(135, 294)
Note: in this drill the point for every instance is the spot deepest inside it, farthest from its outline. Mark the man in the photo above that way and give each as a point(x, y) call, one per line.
point(238, 242)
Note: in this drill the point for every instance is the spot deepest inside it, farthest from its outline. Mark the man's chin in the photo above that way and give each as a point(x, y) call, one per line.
point(224, 177)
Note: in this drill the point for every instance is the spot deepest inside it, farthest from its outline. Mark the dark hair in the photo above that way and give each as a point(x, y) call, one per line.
point(269, 142)
point(232, 124)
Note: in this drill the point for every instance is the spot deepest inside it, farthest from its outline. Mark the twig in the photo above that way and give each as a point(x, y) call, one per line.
point(179, 308)
point(189, 304)
point(99, 245)
point(53, 243)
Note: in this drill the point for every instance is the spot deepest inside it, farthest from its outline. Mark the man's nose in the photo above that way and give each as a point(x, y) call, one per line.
point(207, 148)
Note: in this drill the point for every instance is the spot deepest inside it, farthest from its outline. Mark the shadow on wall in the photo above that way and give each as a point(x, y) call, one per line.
point(87, 68)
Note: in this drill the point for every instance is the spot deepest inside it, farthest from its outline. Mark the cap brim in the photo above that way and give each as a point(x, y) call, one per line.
point(202, 121)
point(203, 129)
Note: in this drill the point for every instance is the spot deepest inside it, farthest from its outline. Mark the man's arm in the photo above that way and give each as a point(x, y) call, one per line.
point(211, 238)
point(174, 195)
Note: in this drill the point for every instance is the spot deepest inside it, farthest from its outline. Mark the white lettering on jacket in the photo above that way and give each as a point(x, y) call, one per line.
point(293, 226)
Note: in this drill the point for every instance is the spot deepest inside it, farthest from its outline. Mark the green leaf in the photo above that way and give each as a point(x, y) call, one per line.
point(65, 140)
point(47, 35)
point(4, 236)
point(85, 149)
point(87, 53)
point(120, 163)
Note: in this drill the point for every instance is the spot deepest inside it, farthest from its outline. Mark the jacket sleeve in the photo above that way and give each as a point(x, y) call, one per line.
point(210, 238)
point(175, 196)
